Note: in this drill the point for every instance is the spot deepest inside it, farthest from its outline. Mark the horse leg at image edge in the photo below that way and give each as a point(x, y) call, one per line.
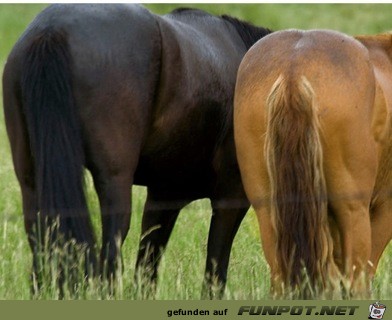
point(381, 218)
point(30, 213)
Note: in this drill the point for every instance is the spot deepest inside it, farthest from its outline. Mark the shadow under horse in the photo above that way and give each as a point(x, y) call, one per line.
point(135, 98)
point(313, 131)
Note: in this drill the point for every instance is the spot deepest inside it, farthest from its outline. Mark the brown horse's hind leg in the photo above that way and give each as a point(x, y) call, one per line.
point(349, 193)
point(350, 167)
point(268, 241)
point(381, 220)
point(351, 175)
point(354, 229)
point(159, 218)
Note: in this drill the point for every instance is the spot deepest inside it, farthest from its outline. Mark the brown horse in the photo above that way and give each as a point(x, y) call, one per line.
point(312, 124)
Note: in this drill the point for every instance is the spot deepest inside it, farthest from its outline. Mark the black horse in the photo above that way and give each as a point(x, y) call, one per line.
point(135, 98)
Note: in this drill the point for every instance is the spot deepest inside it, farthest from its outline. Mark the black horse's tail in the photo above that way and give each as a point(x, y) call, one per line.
point(55, 137)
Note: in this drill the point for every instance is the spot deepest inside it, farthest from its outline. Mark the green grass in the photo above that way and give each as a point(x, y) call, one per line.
point(183, 264)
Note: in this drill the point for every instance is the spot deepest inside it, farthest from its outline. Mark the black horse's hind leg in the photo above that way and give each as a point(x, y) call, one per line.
point(25, 172)
point(114, 132)
point(224, 225)
point(159, 218)
point(114, 192)
point(24, 169)
point(30, 213)
point(30, 210)
point(112, 160)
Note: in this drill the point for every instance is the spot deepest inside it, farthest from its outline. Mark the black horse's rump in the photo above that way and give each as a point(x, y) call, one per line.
point(135, 98)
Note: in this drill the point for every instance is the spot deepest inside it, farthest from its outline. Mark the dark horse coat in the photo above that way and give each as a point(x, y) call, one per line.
point(135, 98)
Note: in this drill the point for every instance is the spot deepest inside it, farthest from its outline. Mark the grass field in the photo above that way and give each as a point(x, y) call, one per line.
point(183, 263)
